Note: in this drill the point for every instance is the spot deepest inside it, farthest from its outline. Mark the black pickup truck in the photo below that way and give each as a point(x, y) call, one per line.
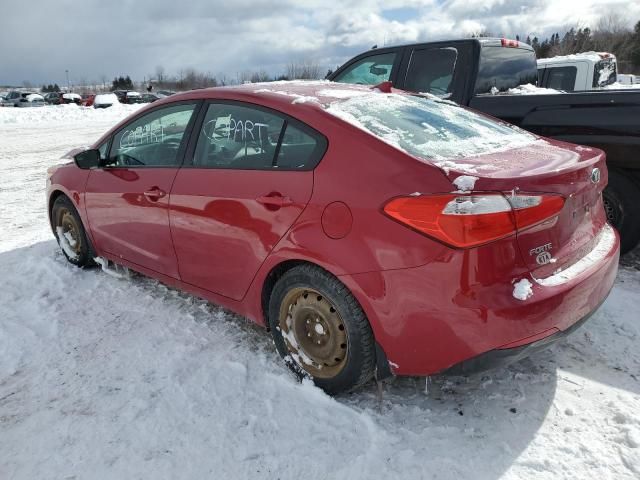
point(479, 73)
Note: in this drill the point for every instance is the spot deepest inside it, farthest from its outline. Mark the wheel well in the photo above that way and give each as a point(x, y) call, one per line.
point(269, 282)
point(54, 196)
point(383, 370)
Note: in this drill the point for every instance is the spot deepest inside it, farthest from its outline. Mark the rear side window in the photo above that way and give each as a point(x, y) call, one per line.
point(604, 73)
point(247, 138)
point(431, 71)
point(562, 78)
point(505, 68)
point(370, 70)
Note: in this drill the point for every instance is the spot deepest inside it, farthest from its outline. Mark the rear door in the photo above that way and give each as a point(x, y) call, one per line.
point(127, 200)
point(248, 179)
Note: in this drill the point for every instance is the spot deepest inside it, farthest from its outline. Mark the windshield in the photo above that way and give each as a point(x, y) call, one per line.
point(504, 68)
point(428, 128)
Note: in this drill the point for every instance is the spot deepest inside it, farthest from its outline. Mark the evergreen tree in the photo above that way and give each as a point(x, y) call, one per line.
point(635, 46)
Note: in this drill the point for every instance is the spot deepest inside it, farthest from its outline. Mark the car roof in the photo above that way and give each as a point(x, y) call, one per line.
point(283, 95)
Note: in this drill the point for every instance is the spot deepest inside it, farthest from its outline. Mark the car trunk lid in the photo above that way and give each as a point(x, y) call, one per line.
point(576, 173)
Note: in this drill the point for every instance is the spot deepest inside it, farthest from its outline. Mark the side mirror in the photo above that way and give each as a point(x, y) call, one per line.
point(87, 159)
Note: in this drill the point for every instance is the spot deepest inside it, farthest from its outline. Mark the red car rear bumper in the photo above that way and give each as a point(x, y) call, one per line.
point(427, 324)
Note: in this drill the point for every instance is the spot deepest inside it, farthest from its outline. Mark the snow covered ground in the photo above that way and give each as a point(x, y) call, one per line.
point(124, 379)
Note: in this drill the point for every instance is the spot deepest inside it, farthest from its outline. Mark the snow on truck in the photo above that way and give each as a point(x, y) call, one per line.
point(490, 75)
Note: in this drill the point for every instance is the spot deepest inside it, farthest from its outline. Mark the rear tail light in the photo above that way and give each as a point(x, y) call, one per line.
point(464, 221)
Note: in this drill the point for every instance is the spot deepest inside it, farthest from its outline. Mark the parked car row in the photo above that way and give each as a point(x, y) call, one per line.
point(22, 99)
point(32, 99)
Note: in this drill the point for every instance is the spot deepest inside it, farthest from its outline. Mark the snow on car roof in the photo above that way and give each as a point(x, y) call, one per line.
point(591, 56)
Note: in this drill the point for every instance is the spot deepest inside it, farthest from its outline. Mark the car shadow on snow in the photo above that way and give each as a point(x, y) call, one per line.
point(461, 427)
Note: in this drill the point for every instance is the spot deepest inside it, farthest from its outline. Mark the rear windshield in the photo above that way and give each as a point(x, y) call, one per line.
point(505, 68)
point(604, 73)
point(428, 128)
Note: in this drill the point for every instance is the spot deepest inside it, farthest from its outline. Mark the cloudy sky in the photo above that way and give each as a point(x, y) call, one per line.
point(96, 38)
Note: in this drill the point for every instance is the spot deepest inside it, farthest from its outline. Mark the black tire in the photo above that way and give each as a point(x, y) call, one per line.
point(64, 215)
point(622, 205)
point(358, 364)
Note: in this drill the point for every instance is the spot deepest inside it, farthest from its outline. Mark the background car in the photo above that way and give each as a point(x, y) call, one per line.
point(62, 98)
point(87, 99)
point(12, 98)
point(371, 230)
point(164, 93)
point(104, 100)
point(30, 100)
point(149, 98)
point(128, 96)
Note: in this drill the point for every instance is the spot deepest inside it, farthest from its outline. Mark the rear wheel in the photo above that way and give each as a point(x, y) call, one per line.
point(622, 206)
point(70, 233)
point(320, 329)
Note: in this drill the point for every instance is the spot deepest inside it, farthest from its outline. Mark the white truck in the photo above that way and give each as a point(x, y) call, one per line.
point(579, 72)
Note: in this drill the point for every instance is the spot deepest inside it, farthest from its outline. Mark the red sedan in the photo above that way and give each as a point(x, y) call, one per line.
point(372, 231)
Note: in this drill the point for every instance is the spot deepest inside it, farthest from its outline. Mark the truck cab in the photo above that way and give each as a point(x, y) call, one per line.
point(579, 72)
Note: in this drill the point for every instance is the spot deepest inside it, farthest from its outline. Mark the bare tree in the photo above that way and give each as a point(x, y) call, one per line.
point(103, 81)
point(304, 70)
point(160, 78)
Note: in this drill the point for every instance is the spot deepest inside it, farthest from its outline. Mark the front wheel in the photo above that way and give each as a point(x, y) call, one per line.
point(70, 233)
point(320, 329)
point(622, 205)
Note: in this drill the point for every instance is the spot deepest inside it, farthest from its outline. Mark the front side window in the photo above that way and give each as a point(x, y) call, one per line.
point(370, 70)
point(247, 138)
point(431, 70)
point(562, 78)
point(152, 140)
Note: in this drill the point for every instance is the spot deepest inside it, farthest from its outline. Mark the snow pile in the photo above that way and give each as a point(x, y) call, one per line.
point(591, 56)
point(522, 289)
point(465, 183)
point(339, 93)
point(67, 113)
point(530, 89)
point(622, 86)
point(106, 99)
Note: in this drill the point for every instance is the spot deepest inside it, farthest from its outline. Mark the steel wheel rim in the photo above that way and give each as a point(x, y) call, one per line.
point(314, 332)
point(69, 225)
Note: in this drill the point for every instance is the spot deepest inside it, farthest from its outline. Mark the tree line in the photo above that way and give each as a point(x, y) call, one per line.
point(609, 35)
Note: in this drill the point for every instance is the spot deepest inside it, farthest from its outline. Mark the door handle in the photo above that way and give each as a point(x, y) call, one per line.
point(275, 200)
point(154, 194)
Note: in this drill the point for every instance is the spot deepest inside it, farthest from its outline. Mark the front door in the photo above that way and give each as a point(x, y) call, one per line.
point(249, 179)
point(127, 200)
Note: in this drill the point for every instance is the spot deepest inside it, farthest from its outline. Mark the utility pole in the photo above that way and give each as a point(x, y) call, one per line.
point(68, 84)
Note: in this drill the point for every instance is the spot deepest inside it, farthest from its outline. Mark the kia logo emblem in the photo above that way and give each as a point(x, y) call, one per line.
point(543, 258)
point(595, 175)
